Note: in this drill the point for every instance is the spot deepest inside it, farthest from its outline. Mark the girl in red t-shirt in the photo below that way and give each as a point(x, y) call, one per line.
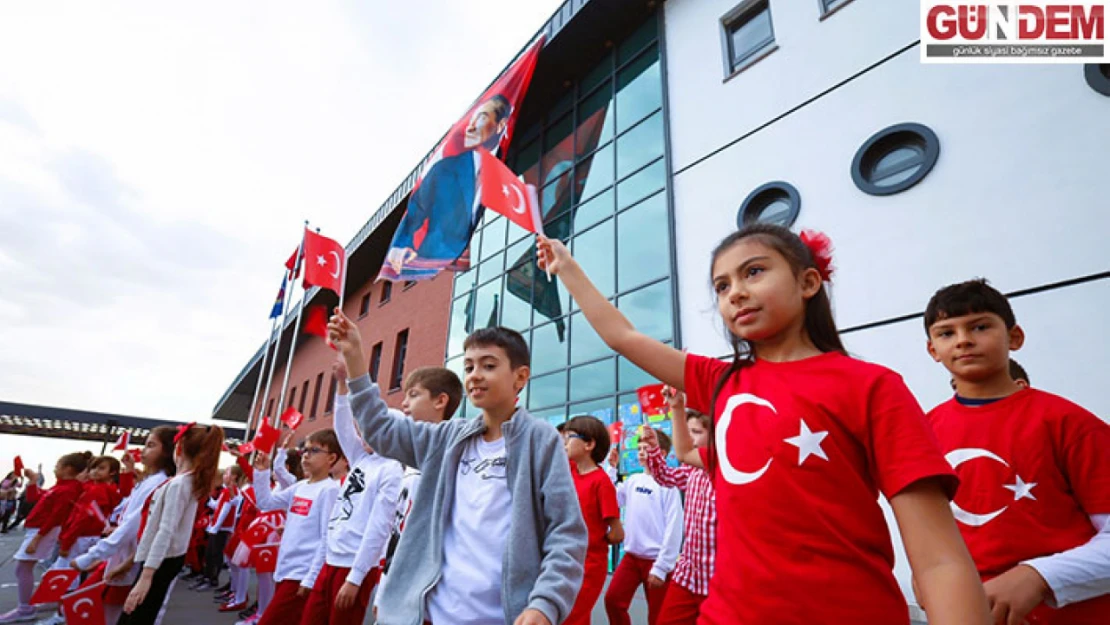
point(804, 440)
point(587, 443)
point(89, 516)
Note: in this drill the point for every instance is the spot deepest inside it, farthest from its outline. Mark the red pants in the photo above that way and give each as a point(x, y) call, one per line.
point(320, 609)
point(593, 582)
point(680, 607)
point(286, 606)
point(631, 573)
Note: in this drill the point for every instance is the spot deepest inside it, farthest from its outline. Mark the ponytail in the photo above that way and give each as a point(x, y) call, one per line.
point(201, 444)
point(78, 461)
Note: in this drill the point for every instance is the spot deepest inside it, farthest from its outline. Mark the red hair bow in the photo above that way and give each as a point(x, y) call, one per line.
point(181, 429)
point(821, 247)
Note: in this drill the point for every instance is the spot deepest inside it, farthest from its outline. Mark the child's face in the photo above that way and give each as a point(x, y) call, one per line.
point(421, 406)
point(62, 472)
point(758, 295)
point(152, 451)
point(229, 478)
point(100, 473)
point(698, 433)
point(577, 447)
point(642, 454)
point(974, 347)
point(316, 460)
point(489, 379)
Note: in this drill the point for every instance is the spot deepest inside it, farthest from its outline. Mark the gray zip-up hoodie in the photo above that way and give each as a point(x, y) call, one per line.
point(546, 547)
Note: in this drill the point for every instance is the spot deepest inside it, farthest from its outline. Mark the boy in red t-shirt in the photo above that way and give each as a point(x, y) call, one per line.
point(1034, 501)
point(587, 443)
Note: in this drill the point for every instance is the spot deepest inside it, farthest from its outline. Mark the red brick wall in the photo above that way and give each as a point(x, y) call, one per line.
point(424, 310)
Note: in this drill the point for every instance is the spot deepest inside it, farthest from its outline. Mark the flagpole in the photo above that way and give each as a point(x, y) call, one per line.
point(296, 330)
point(261, 374)
point(277, 340)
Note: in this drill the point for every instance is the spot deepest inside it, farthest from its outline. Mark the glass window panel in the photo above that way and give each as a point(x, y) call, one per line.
point(493, 235)
point(594, 251)
point(635, 42)
point(556, 196)
point(593, 380)
point(527, 163)
point(639, 89)
point(632, 377)
point(493, 267)
point(595, 121)
point(548, 390)
point(642, 184)
point(550, 299)
point(456, 365)
point(643, 243)
point(562, 105)
point(549, 347)
point(522, 251)
point(640, 146)
point(595, 173)
point(594, 211)
point(750, 33)
point(558, 148)
point(461, 315)
point(601, 408)
point(516, 306)
point(465, 280)
point(649, 310)
point(585, 344)
point(487, 305)
point(555, 416)
point(598, 75)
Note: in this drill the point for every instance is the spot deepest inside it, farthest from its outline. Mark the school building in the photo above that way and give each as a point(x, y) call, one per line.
point(652, 129)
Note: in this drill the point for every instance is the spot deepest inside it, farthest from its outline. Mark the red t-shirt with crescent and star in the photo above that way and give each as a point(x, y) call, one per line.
point(801, 451)
point(1034, 468)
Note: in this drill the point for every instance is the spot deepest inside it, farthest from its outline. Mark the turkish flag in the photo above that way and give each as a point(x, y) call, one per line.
point(18, 462)
point(291, 264)
point(264, 439)
point(264, 557)
point(316, 322)
point(505, 193)
point(136, 454)
point(54, 585)
point(651, 399)
point(292, 417)
point(85, 606)
point(123, 441)
point(325, 262)
point(616, 430)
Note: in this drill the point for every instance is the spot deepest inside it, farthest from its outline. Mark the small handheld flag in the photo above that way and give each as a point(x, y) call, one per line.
point(54, 585)
point(123, 441)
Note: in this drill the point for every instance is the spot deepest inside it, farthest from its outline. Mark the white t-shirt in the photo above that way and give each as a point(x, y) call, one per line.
point(309, 507)
point(469, 589)
point(652, 521)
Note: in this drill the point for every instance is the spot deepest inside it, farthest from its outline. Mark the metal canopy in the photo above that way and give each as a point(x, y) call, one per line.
point(53, 422)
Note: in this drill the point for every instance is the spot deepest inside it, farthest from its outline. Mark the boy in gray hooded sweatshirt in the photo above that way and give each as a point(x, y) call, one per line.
point(495, 534)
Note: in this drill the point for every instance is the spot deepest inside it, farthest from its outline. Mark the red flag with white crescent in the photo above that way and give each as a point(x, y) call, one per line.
point(264, 557)
point(123, 441)
point(85, 606)
point(505, 193)
point(325, 262)
point(54, 584)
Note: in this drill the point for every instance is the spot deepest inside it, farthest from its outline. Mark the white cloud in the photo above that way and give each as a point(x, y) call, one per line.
point(157, 160)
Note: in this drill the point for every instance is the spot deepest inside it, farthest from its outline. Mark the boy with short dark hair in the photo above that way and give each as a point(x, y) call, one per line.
point(1034, 498)
point(492, 482)
point(308, 504)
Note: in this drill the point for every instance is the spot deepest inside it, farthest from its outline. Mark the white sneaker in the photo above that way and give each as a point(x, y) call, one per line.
point(53, 619)
point(23, 614)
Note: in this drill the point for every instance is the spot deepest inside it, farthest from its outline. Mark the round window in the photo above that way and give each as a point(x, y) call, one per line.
point(773, 203)
point(1098, 77)
point(895, 159)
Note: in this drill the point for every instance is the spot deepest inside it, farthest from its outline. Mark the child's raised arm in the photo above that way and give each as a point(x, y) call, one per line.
point(951, 592)
point(657, 358)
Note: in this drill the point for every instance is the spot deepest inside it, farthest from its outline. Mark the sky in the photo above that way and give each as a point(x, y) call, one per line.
point(157, 161)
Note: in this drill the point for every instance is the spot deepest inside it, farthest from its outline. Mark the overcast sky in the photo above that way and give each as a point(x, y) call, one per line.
point(157, 160)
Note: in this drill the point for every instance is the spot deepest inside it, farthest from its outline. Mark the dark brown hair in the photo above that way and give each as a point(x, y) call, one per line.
point(704, 419)
point(201, 444)
point(966, 298)
point(78, 460)
point(164, 434)
point(293, 463)
point(327, 439)
point(438, 381)
point(591, 429)
point(664, 441)
point(113, 466)
point(819, 323)
point(509, 340)
point(1017, 372)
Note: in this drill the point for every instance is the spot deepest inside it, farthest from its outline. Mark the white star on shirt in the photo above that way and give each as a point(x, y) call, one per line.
point(320, 260)
point(1021, 488)
point(808, 443)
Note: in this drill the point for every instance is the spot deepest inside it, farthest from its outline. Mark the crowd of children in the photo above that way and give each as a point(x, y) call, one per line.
point(1001, 494)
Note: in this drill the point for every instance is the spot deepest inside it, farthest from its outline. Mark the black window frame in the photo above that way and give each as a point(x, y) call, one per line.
point(304, 397)
point(292, 397)
point(737, 17)
point(397, 376)
point(387, 293)
point(1098, 77)
point(329, 406)
point(375, 361)
point(269, 408)
point(316, 395)
point(408, 285)
point(828, 7)
point(364, 306)
point(758, 200)
point(882, 143)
